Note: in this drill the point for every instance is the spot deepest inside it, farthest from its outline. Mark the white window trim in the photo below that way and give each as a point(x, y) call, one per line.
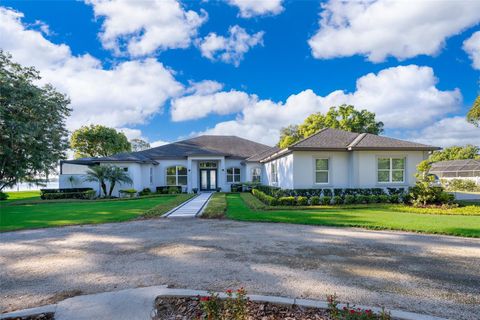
point(274, 176)
point(390, 171)
point(233, 174)
point(176, 175)
point(252, 175)
point(315, 171)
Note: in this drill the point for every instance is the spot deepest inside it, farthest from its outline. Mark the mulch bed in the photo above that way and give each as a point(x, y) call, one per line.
point(40, 316)
point(174, 308)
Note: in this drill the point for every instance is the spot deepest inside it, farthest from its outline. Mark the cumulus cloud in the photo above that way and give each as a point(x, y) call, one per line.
point(229, 49)
point(472, 48)
point(128, 93)
point(448, 132)
point(378, 29)
point(251, 8)
point(143, 27)
point(404, 97)
point(204, 87)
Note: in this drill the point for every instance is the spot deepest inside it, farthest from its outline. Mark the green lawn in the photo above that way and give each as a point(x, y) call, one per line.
point(372, 217)
point(22, 195)
point(41, 215)
point(216, 206)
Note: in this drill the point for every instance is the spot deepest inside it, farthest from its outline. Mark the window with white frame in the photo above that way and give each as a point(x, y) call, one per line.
point(256, 175)
point(274, 172)
point(233, 175)
point(322, 171)
point(176, 176)
point(391, 170)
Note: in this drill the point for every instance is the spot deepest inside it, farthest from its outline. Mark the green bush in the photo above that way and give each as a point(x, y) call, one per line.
point(326, 200)
point(3, 196)
point(269, 200)
point(327, 193)
point(383, 198)
point(286, 201)
point(423, 193)
point(394, 198)
point(360, 199)
point(173, 190)
point(130, 193)
point(145, 192)
point(337, 200)
point(315, 200)
point(236, 187)
point(349, 199)
point(83, 195)
point(373, 198)
point(460, 185)
point(302, 201)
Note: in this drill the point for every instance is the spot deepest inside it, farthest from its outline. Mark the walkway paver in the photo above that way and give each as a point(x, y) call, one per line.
point(190, 208)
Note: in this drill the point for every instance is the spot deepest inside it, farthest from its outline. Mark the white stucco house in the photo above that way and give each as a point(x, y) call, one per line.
point(331, 158)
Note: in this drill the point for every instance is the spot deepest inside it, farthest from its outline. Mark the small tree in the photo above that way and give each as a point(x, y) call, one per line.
point(115, 175)
point(473, 116)
point(98, 141)
point(99, 174)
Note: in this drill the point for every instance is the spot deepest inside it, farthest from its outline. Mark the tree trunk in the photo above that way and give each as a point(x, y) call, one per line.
point(104, 188)
point(112, 186)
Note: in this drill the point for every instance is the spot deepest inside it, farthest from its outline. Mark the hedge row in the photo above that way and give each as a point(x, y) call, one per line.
point(337, 192)
point(325, 200)
point(85, 195)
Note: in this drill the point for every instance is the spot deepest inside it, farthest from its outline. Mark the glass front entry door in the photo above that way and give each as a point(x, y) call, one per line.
point(208, 179)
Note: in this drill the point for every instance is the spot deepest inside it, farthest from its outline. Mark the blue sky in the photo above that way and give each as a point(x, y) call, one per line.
point(251, 67)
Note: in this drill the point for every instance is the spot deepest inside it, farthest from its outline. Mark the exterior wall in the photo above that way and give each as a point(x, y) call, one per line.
point(248, 171)
point(304, 169)
point(68, 168)
point(366, 167)
point(285, 172)
point(233, 163)
point(160, 176)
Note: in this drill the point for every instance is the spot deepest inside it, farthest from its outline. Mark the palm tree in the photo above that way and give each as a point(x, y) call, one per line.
point(99, 174)
point(115, 175)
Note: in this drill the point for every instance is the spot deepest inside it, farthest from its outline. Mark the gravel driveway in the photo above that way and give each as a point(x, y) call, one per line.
point(439, 275)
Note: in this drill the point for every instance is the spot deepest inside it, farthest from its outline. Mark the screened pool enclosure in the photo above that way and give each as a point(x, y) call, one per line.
point(457, 169)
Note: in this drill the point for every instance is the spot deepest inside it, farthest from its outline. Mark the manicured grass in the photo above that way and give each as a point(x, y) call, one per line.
point(27, 216)
point(372, 217)
point(21, 195)
point(216, 207)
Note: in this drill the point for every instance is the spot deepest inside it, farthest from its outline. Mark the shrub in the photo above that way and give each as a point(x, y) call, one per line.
point(327, 192)
point(349, 199)
point(173, 190)
point(423, 193)
point(269, 200)
point(326, 200)
point(63, 191)
point(338, 192)
point(377, 191)
point(373, 198)
point(130, 193)
point(315, 200)
point(236, 187)
point(286, 201)
point(383, 198)
point(394, 198)
point(3, 196)
point(302, 201)
point(337, 200)
point(461, 185)
point(84, 195)
point(268, 190)
point(145, 192)
point(167, 189)
point(360, 199)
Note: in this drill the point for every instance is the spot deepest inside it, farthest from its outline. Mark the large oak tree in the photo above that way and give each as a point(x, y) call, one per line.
point(33, 136)
point(98, 141)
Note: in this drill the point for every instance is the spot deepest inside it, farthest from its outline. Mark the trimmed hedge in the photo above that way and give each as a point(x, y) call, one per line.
point(130, 193)
point(85, 195)
point(265, 198)
point(169, 189)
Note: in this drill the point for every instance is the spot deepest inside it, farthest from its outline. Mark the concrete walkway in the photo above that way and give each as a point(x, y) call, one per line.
point(190, 208)
point(138, 304)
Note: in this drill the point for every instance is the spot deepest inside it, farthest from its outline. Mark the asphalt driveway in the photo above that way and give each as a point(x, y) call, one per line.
point(439, 275)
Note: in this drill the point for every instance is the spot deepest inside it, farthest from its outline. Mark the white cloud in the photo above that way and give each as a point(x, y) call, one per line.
point(229, 49)
point(197, 106)
point(204, 87)
point(144, 27)
point(472, 47)
point(128, 93)
point(378, 29)
point(158, 143)
point(404, 97)
point(251, 8)
point(131, 133)
point(448, 132)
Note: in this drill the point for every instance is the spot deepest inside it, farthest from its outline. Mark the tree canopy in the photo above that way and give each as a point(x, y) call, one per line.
point(98, 141)
point(456, 153)
point(33, 136)
point(345, 117)
point(139, 144)
point(473, 116)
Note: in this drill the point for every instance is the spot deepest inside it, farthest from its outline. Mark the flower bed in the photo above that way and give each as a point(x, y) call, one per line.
point(236, 306)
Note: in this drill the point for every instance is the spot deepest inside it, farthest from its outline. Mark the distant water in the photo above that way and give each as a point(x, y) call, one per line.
point(31, 187)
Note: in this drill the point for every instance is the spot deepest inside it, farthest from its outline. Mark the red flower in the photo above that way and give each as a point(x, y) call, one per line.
point(204, 298)
point(368, 311)
point(344, 308)
point(229, 291)
point(352, 311)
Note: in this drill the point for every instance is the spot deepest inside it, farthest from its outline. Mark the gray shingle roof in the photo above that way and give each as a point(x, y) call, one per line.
point(207, 145)
point(335, 139)
point(264, 154)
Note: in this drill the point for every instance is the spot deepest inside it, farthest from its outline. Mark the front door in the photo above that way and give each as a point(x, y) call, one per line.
point(208, 179)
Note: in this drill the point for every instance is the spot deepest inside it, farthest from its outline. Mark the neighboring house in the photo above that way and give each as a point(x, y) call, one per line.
point(331, 158)
point(457, 169)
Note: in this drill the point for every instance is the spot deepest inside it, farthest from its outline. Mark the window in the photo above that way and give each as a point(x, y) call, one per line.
point(274, 172)
point(256, 175)
point(321, 171)
point(233, 175)
point(391, 170)
point(207, 165)
point(151, 175)
point(176, 176)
